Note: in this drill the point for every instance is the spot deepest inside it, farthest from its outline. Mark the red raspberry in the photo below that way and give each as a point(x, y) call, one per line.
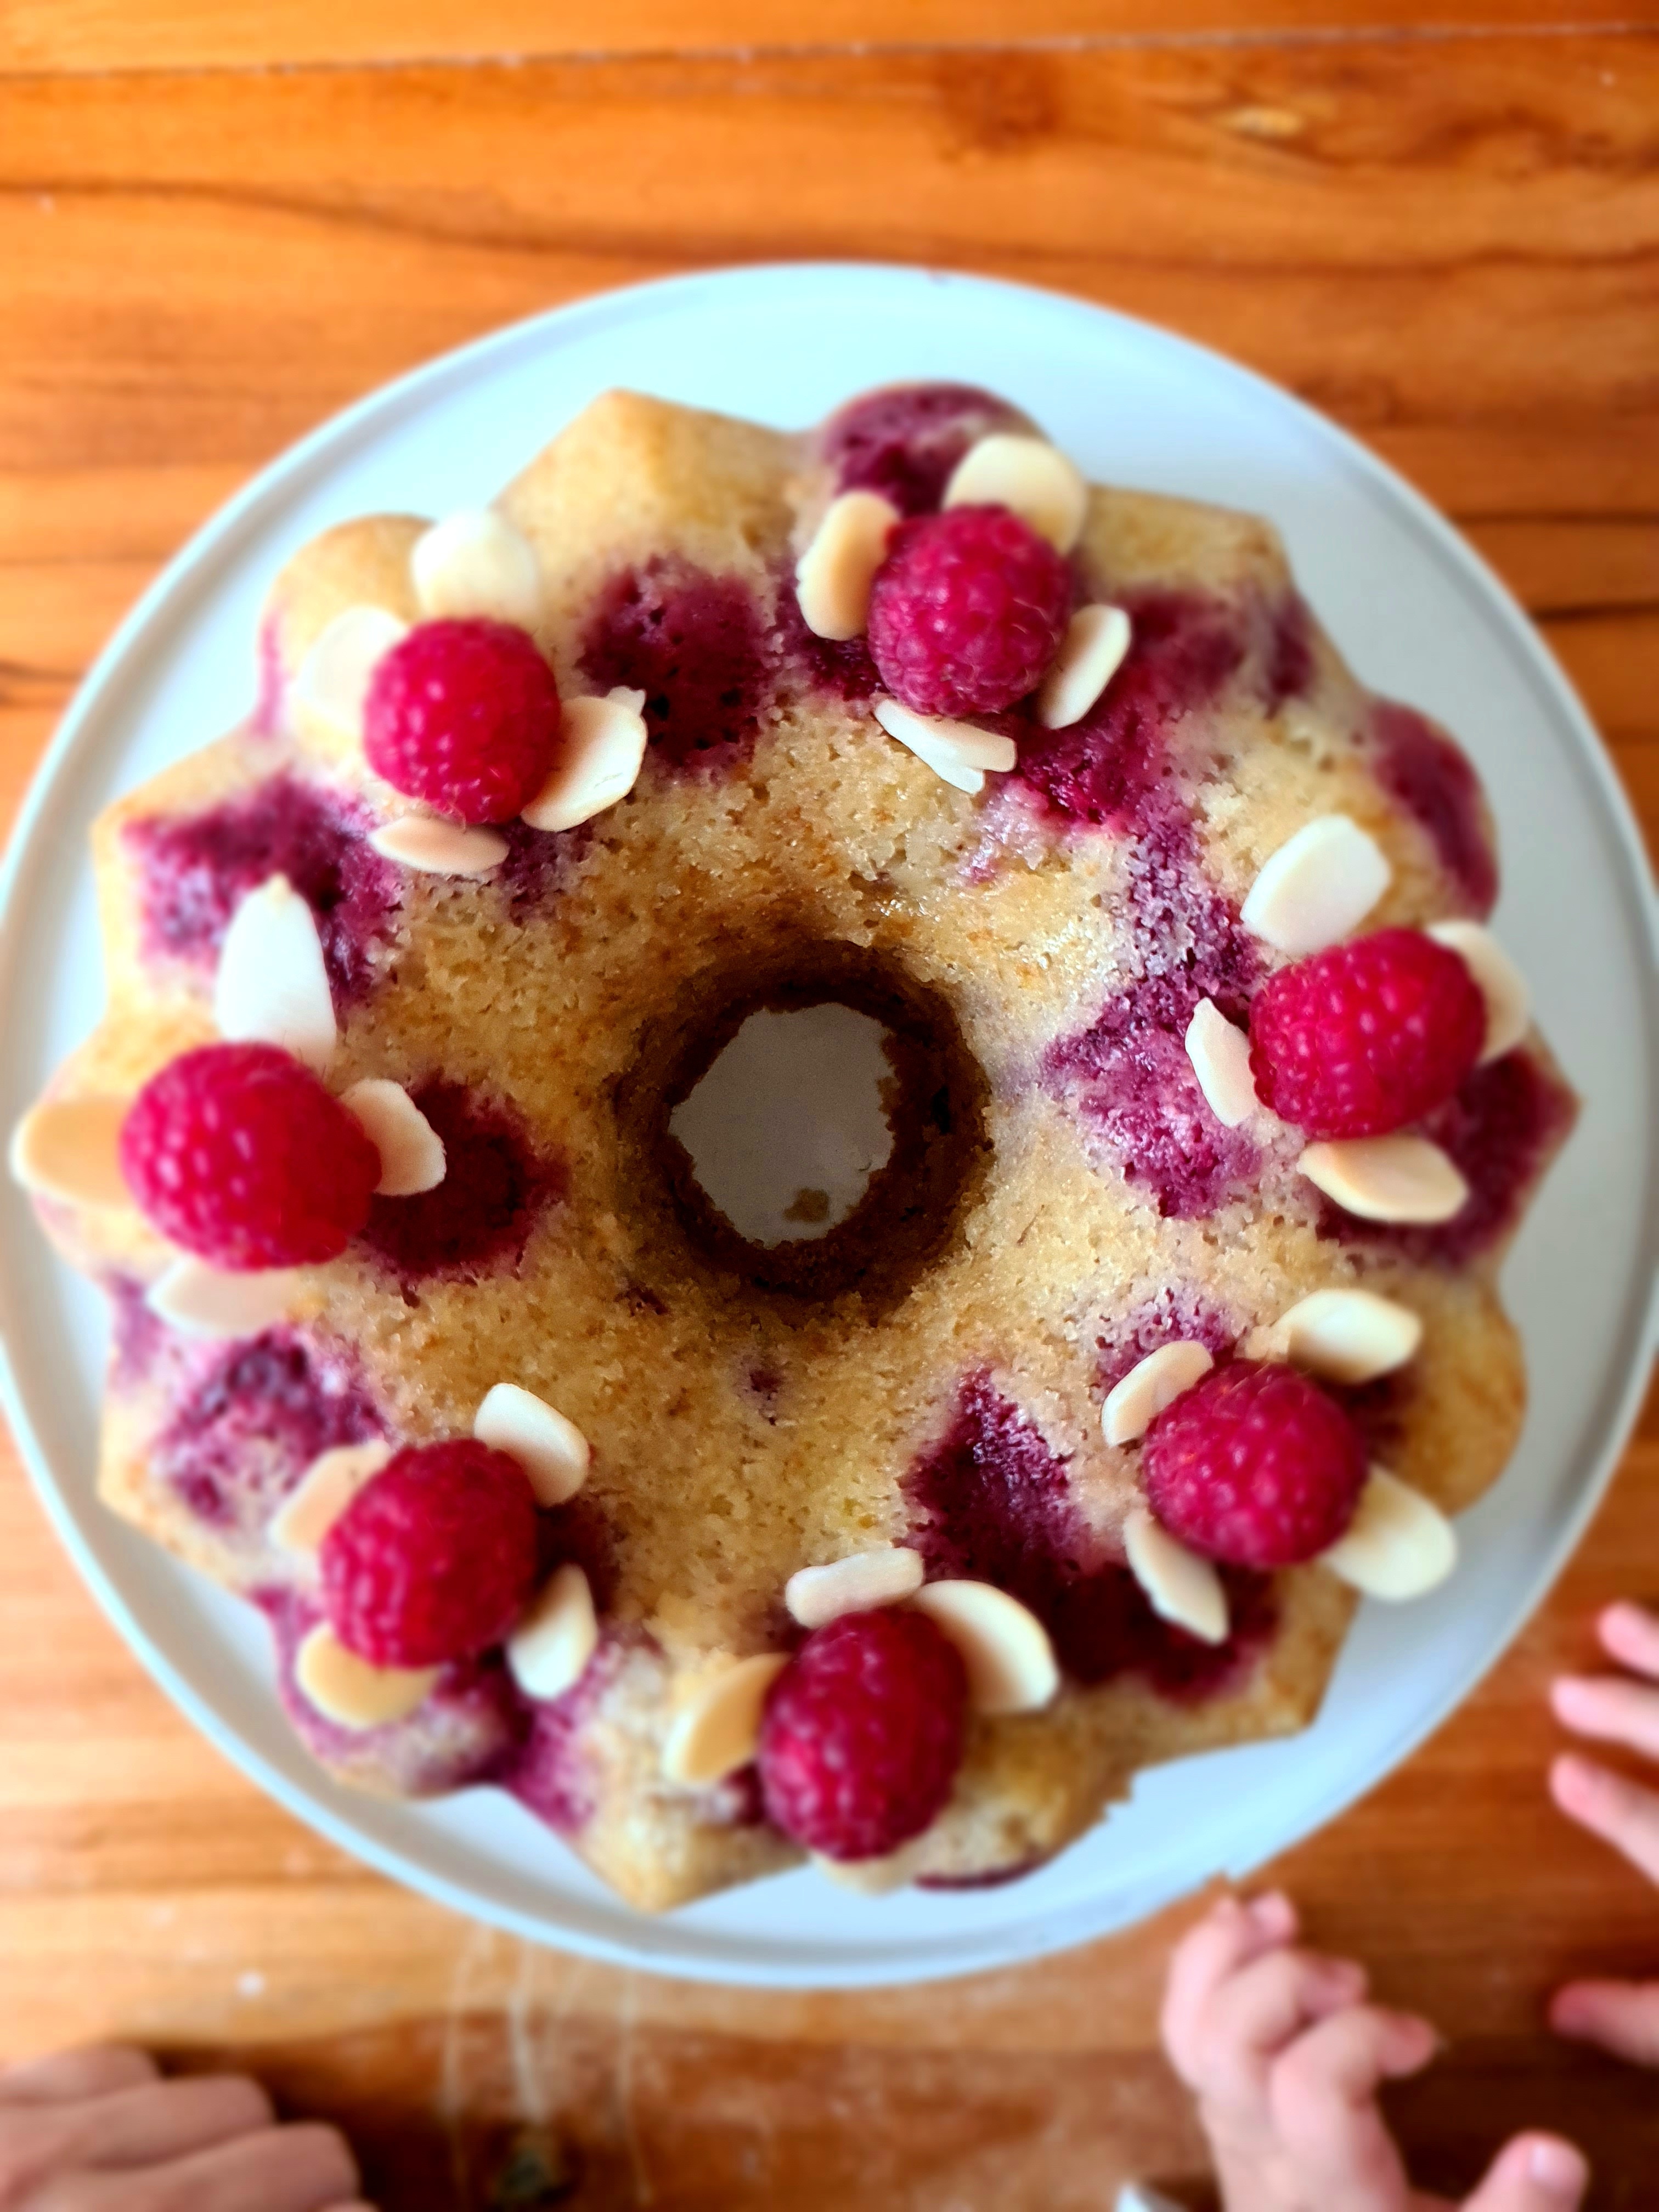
point(1254, 1466)
point(464, 715)
point(435, 1558)
point(1368, 1037)
point(862, 1733)
point(237, 1152)
point(967, 612)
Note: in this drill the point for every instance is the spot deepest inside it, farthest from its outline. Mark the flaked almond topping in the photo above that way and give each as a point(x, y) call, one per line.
point(271, 983)
point(1317, 887)
point(333, 679)
point(435, 848)
point(1502, 985)
point(834, 574)
point(1398, 1545)
point(717, 1729)
point(1386, 1178)
point(69, 1149)
point(601, 751)
point(351, 1693)
point(1349, 1336)
point(477, 563)
point(323, 1493)
point(1220, 1055)
point(1133, 1405)
point(1029, 476)
point(880, 1577)
point(878, 1877)
point(552, 1450)
point(1091, 654)
point(1179, 1586)
point(1004, 1646)
point(957, 751)
point(548, 1651)
point(203, 1301)
point(411, 1151)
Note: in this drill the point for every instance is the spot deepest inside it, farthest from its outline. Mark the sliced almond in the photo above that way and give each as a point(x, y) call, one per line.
point(880, 1577)
point(1220, 1054)
point(1032, 478)
point(834, 575)
point(1349, 1336)
point(552, 1450)
point(323, 1493)
point(1133, 1405)
point(477, 563)
point(1398, 1545)
point(602, 750)
point(878, 1877)
point(69, 1149)
point(334, 677)
point(435, 848)
point(1179, 1586)
point(548, 1651)
point(717, 1730)
point(271, 983)
point(1386, 1178)
point(203, 1301)
point(957, 752)
point(411, 1151)
point(351, 1693)
point(1504, 987)
point(1091, 654)
point(1004, 1646)
point(1317, 887)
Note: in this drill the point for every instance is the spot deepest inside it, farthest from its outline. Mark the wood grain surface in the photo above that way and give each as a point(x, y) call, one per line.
point(1447, 237)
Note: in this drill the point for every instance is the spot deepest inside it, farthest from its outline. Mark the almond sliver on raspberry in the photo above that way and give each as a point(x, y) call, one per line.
point(271, 984)
point(1220, 1055)
point(552, 1450)
point(1003, 1645)
point(323, 1493)
point(1398, 1545)
point(1032, 478)
point(882, 1576)
point(1152, 1383)
point(411, 1151)
point(602, 750)
point(1091, 654)
point(878, 1877)
point(1502, 985)
point(333, 679)
point(1317, 887)
point(957, 751)
point(66, 1149)
point(1178, 1585)
point(351, 1693)
point(477, 563)
point(1403, 1179)
point(834, 574)
point(717, 1729)
point(547, 1652)
point(1348, 1336)
point(435, 848)
point(203, 1301)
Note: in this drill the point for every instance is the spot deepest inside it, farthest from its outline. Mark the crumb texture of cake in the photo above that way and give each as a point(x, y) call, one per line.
point(1074, 797)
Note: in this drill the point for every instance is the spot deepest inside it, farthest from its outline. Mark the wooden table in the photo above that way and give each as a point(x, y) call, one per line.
point(217, 225)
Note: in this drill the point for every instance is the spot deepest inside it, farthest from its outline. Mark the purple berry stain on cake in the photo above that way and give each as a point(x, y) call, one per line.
point(1433, 780)
point(694, 644)
point(1287, 663)
point(479, 1218)
point(1178, 1314)
point(194, 870)
point(553, 1775)
point(536, 864)
point(991, 1503)
point(905, 440)
point(841, 667)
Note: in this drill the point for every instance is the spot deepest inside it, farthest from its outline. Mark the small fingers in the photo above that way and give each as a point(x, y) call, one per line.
point(1621, 1812)
point(304, 2169)
point(1253, 2016)
point(1630, 1634)
point(1532, 2173)
point(1323, 2093)
point(1622, 2017)
point(1228, 1937)
point(96, 2071)
point(1610, 1708)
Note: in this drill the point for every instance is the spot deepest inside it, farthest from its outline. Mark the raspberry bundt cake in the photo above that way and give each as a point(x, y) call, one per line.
point(1165, 1320)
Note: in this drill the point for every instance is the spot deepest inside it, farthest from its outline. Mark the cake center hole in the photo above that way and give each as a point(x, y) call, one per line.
point(791, 1121)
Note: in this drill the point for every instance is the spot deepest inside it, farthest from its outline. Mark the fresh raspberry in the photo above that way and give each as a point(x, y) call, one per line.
point(862, 1733)
point(435, 1558)
point(464, 715)
point(1368, 1037)
point(1254, 1466)
point(237, 1154)
point(967, 612)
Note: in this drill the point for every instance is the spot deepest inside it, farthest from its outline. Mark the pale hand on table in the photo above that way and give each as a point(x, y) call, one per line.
point(99, 2131)
point(1285, 2059)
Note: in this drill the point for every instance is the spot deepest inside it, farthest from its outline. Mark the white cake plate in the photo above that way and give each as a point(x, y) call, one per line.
point(1419, 616)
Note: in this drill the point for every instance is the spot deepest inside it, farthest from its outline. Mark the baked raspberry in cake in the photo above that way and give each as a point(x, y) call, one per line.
point(1169, 1326)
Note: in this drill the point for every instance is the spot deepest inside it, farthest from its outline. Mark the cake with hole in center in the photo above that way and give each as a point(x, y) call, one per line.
point(1162, 1325)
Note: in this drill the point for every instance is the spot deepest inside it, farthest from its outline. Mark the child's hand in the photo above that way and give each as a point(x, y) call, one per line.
point(99, 2131)
point(1286, 2058)
point(1623, 2017)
